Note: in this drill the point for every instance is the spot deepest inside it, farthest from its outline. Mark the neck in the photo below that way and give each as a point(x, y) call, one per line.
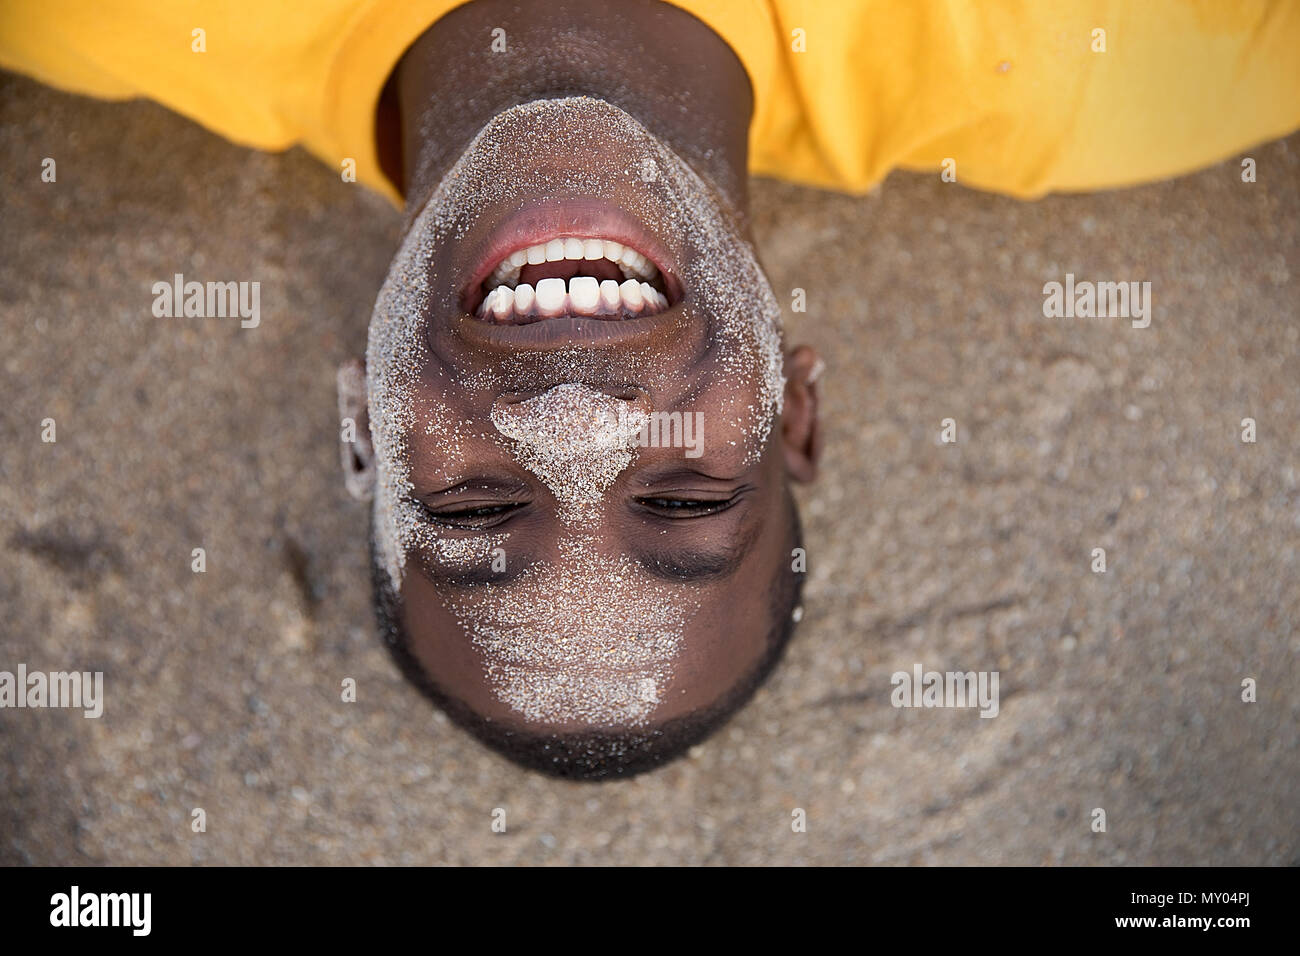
point(652, 60)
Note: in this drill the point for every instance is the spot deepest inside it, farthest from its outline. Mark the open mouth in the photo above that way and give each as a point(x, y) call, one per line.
point(571, 276)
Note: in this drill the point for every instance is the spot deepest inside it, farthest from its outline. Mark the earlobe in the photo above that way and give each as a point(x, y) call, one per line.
point(356, 453)
point(801, 434)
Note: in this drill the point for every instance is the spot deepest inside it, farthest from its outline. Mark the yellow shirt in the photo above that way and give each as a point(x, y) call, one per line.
point(1023, 96)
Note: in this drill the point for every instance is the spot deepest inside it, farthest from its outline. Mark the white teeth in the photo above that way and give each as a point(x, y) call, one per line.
point(635, 265)
point(551, 298)
point(524, 299)
point(504, 275)
point(631, 263)
point(583, 295)
point(631, 294)
point(610, 297)
point(650, 295)
point(503, 303)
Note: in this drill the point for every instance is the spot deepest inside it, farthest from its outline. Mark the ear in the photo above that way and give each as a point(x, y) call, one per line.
point(355, 450)
point(801, 432)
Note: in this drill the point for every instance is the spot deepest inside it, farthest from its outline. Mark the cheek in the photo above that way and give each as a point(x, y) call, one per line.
point(440, 439)
point(731, 424)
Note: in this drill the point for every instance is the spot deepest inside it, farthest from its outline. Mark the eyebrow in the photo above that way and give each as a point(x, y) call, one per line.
point(699, 565)
point(469, 576)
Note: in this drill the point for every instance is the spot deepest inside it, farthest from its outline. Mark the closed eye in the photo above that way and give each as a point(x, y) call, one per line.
point(470, 517)
point(677, 507)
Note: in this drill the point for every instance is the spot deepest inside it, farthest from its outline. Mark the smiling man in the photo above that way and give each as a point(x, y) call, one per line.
point(589, 601)
point(577, 280)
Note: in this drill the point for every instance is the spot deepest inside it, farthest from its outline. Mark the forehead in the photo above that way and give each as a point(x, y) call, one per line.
point(589, 637)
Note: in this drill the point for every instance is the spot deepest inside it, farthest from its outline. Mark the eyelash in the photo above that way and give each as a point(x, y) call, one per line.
point(488, 516)
point(470, 519)
point(686, 508)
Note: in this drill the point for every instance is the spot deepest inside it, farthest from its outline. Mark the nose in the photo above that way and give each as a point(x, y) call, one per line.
point(571, 417)
point(575, 438)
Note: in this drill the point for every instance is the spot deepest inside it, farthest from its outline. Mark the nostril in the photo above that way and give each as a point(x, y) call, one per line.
point(631, 394)
point(626, 393)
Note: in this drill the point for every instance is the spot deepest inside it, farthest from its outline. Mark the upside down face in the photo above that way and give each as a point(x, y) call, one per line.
point(582, 528)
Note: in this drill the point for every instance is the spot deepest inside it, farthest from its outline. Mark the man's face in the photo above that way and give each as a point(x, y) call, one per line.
point(574, 372)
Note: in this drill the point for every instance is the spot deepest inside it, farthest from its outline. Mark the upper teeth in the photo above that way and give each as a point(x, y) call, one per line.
point(632, 264)
point(583, 295)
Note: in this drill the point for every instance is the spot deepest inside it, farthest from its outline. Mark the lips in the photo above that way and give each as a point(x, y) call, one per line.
point(582, 260)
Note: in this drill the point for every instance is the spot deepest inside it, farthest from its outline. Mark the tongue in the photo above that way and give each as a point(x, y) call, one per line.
point(566, 269)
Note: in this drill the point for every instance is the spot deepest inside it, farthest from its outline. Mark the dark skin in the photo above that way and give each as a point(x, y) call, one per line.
point(711, 530)
point(655, 61)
